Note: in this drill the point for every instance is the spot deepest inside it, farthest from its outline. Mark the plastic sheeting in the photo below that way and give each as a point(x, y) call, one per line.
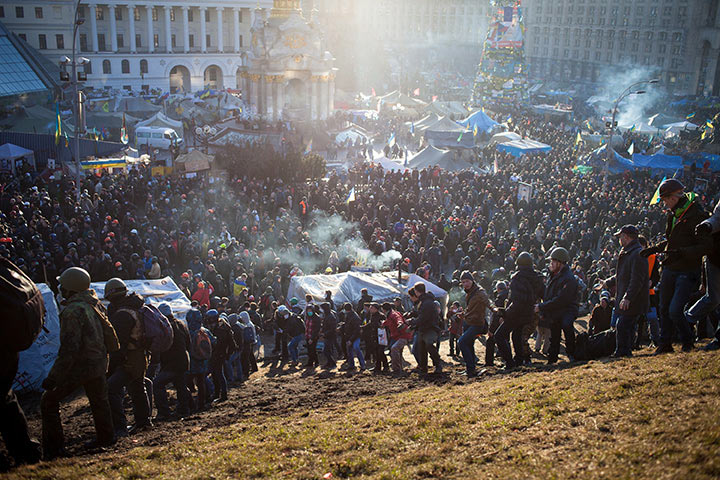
point(154, 292)
point(517, 148)
point(480, 119)
point(346, 287)
point(36, 361)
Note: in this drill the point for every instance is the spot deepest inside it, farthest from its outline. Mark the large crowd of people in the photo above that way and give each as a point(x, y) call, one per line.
point(513, 266)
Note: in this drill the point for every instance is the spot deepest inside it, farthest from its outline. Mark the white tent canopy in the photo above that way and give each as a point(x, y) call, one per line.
point(504, 137)
point(11, 155)
point(679, 126)
point(346, 287)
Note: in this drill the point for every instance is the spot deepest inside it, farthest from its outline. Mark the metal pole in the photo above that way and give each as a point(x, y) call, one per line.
point(76, 106)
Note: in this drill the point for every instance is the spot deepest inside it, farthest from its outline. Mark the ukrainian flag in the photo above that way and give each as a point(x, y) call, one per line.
point(656, 197)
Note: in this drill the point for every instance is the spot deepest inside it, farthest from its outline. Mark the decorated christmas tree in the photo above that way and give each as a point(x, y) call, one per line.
point(502, 73)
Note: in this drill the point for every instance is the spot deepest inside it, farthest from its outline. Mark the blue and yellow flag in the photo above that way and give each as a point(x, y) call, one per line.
point(656, 197)
point(308, 149)
point(690, 116)
point(58, 124)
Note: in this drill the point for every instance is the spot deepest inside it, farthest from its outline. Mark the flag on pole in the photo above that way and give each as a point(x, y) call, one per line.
point(106, 107)
point(434, 98)
point(58, 125)
point(631, 150)
point(656, 197)
point(350, 197)
point(652, 137)
point(308, 149)
point(460, 137)
point(372, 91)
point(416, 92)
point(588, 125)
point(391, 140)
point(475, 131)
point(632, 129)
point(123, 132)
point(67, 140)
point(412, 128)
point(578, 139)
point(709, 124)
point(690, 116)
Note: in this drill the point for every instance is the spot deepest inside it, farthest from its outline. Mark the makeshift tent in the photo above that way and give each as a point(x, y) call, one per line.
point(504, 137)
point(154, 292)
point(353, 133)
point(480, 120)
point(424, 123)
point(397, 98)
point(346, 287)
point(389, 165)
point(642, 129)
point(427, 157)
point(677, 127)
point(162, 120)
point(660, 120)
point(448, 133)
point(193, 161)
point(517, 148)
point(36, 362)
point(11, 156)
point(659, 161)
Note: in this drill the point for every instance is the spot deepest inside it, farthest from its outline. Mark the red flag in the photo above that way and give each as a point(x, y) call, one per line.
point(434, 97)
point(416, 92)
point(373, 92)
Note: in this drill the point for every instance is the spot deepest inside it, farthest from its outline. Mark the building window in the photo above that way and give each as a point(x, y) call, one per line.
point(241, 41)
point(661, 48)
point(42, 42)
point(19, 12)
point(156, 40)
point(138, 40)
point(107, 69)
point(101, 42)
point(677, 37)
point(191, 41)
point(125, 66)
point(83, 42)
point(240, 16)
point(2, 11)
point(23, 36)
point(207, 41)
point(190, 14)
point(38, 12)
point(88, 68)
point(120, 41)
point(99, 13)
point(143, 66)
point(154, 14)
point(207, 15)
point(60, 41)
point(136, 14)
point(172, 40)
point(172, 14)
point(118, 14)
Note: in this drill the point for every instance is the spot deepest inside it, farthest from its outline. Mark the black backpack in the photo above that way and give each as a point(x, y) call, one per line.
point(22, 310)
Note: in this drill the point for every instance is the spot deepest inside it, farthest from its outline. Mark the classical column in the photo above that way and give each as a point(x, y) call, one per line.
point(274, 91)
point(150, 30)
point(113, 29)
point(168, 30)
point(323, 98)
point(281, 96)
point(203, 35)
point(236, 22)
point(220, 28)
point(256, 92)
point(186, 30)
point(252, 16)
point(710, 73)
point(131, 19)
point(93, 27)
point(331, 94)
point(314, 99)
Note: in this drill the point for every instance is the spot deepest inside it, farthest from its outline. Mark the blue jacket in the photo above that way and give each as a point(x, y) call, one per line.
point(428, 316)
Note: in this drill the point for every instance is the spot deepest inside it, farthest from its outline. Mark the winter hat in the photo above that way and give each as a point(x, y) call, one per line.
point(466, 275)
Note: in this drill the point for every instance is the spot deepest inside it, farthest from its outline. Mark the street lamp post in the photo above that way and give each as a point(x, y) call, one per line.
point(626, 93)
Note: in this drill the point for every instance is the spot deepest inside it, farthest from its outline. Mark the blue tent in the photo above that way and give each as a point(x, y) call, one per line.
point(479, 118)
point(518, 148)
point(658, 161)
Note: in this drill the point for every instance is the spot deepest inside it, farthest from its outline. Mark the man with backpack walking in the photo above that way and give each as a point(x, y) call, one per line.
point(129, 364)
point(200, 352)
point(174, 365)
point(22, 311)
point(86, 338)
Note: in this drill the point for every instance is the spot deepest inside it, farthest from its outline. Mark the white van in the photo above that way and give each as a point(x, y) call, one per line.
point(157, 137)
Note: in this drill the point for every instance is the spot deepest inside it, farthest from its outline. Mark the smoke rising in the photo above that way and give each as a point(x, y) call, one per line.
point(633, 109)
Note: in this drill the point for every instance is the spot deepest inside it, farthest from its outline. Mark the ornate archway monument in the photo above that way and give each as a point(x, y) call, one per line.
point(290, 74)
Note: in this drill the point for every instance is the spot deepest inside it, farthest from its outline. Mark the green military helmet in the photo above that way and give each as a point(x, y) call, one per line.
point(115, 286)
point(524, 259)
point(74, 279)
point(561, 255)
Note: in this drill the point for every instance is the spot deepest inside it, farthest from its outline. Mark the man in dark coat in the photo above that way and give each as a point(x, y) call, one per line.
point(428, 329)
point(329, 333)
point(223, 348)
point(525, 287)
point(352, 335)
point(174, 364)
point(632, 294)
point(559, 305)
point(683, 251)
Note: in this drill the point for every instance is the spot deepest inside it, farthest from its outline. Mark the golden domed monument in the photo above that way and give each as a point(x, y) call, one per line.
point(290, 75)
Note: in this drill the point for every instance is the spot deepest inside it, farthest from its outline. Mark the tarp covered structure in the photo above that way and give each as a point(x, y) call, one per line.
point(658, 161)
point(526, 146)
point(504, 137)
point(11, 154)
point(447, 108)
point(353, 133)
point(194, 161)
point(480, 120)
point(345, 287)
point(425, 122)
point(162, 120)
point(680, 126)
point(431, 156)
point(397, 98)
point(448, 133)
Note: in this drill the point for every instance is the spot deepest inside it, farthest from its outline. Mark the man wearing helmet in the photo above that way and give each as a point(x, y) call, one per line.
point(683, 251)
point(129, 364)
point(86, 338)
point(560, 305)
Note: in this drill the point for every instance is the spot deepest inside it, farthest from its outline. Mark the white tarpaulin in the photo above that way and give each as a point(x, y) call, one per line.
point(36, 361)
point(154, 292)
point(346, 287)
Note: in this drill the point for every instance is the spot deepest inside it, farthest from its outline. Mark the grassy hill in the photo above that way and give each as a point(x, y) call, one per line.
point(645, 417)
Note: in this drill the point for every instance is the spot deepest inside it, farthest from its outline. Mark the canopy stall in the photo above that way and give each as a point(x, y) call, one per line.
point(526, 146)
point(12, 157)
point(480, 120)
point(446, 133)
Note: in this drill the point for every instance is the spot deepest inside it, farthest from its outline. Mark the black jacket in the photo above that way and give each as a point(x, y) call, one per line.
point(560, 296)
point(526, 287)
point(127, 329)
point(329, 325)
point(631, 280)
point(177, 358)
point(428, 316)
point(225, 345)
point(295, 326)
point(370, 329)
point(352, 326)
point(680, 236)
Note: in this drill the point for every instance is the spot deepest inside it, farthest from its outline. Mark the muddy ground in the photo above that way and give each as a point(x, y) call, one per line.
point(278, 388)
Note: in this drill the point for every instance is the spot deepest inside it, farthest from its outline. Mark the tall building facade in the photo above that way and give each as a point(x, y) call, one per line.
point(585, 41)
point(175, 46)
